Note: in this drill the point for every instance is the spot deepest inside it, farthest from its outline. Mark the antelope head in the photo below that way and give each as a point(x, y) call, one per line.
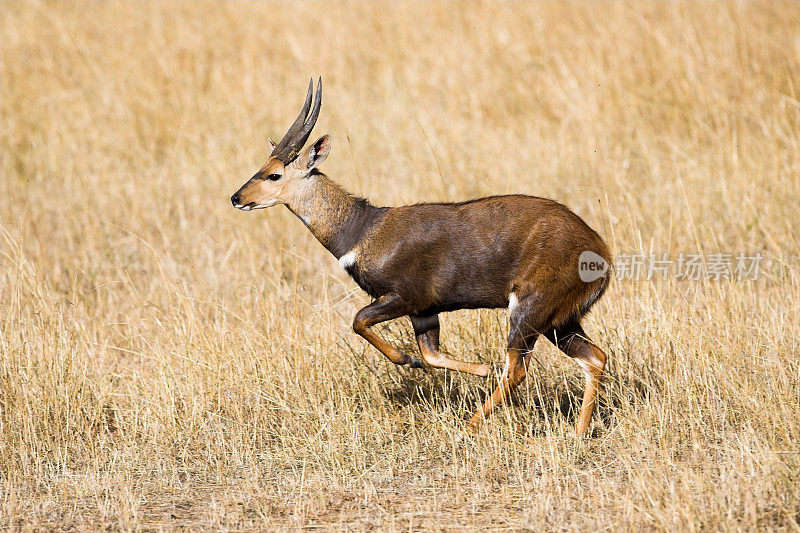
point(283, 176)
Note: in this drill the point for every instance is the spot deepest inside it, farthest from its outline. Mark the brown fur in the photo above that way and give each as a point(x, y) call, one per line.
point(474, 254)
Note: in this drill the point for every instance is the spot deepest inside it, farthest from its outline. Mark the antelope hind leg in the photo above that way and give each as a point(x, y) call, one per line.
point(572, 340)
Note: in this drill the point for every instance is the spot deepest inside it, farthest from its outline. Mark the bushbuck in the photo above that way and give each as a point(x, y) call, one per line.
point(521, 252)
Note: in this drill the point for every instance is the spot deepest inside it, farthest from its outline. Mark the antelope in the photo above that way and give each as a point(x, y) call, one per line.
point(517, 251)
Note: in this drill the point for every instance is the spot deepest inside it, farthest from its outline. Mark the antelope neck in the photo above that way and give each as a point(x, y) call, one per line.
point(335, 217)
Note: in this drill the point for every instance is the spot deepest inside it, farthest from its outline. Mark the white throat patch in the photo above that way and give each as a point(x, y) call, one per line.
point(513, 301)
point(347, 260)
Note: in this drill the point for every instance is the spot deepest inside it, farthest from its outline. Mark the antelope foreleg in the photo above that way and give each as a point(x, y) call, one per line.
point(427, 331)
point(385, 308)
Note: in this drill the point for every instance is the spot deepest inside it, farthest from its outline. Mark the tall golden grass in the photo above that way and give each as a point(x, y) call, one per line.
point(168, 361)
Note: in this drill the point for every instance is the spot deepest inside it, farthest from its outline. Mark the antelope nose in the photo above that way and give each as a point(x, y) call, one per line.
point(235, 200)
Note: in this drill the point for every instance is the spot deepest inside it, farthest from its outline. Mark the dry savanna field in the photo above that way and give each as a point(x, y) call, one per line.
point(170, 362)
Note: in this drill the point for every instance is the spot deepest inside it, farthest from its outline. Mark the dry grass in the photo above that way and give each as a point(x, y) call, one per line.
point(168, 361)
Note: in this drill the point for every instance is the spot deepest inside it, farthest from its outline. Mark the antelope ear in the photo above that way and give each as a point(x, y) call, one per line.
point(319, 151)
point(271, 145)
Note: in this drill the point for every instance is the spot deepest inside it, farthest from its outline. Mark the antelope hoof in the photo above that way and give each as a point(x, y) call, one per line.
point(415, 363)
point(494, 369)
point(472, 425)
point(463, 437)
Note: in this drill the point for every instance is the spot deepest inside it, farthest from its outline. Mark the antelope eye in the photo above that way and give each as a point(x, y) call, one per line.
point(274, 177)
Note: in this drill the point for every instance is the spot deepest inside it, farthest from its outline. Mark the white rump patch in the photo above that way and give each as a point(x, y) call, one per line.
point(512, 302)
point(347, 260)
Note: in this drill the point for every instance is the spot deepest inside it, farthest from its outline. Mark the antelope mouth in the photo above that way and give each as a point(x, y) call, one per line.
point(252, 205)
point(246, 207)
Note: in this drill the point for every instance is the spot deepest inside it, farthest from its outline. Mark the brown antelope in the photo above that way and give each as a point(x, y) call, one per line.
point(523, 252)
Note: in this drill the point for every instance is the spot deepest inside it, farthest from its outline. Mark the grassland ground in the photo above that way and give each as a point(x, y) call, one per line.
point(169, 362)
